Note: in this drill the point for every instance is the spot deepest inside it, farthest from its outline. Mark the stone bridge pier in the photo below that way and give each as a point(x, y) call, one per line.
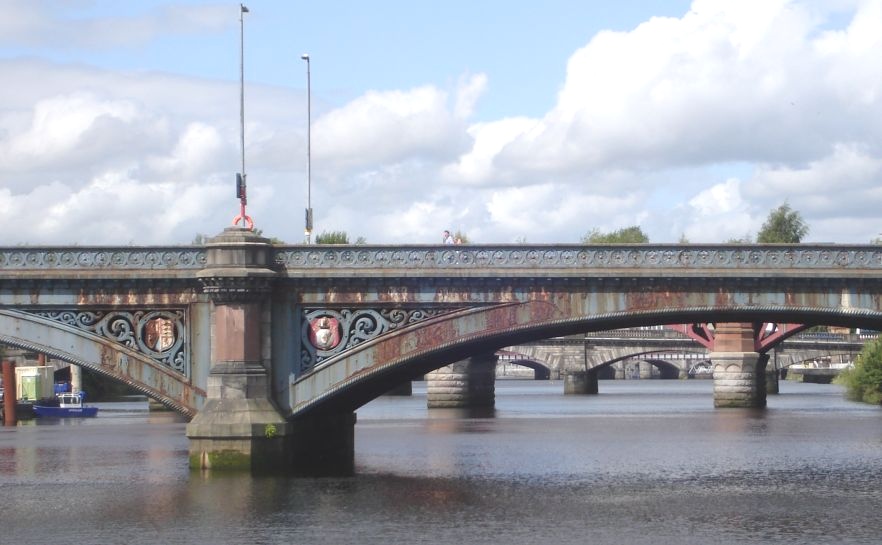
point(466, 384)
point(239, 425)
point(739, 372)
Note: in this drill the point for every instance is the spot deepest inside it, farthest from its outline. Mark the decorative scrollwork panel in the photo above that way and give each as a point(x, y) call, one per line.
point(328, 332)
point(158, 334)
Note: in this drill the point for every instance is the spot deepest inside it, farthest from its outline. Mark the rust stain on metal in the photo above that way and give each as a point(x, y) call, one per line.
point(642, 300)
point(723, 298)
point(452, 295)
point(135, 297)
point(154, 381)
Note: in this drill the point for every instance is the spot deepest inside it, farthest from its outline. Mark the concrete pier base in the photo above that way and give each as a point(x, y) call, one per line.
point(739, 378)
point(736, 381)
point(580, 383)
point(237, 428)
point(464, 384)
point(769, 374)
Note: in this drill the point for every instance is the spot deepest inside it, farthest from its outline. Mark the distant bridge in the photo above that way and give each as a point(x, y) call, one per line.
point(672, 352)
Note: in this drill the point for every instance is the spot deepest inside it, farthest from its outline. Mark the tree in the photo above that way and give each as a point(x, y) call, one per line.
point(461, 238)
point(332, 237)
point(633, 234)
point(783, 225)
point(746, 239)
point(863, 382)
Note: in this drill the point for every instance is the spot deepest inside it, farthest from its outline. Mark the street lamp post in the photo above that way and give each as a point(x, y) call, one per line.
point(308, 229)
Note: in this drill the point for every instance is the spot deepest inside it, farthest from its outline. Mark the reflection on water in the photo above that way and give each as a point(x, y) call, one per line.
point(643, 462)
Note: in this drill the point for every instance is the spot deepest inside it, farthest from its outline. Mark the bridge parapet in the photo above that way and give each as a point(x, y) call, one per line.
point(421, 260)
point(566, 260)
point(55, 262)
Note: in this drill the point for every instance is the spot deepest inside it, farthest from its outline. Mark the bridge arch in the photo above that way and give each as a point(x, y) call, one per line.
point(353, 378)
point(110, 359)
point(541, 371)
point(666, 369)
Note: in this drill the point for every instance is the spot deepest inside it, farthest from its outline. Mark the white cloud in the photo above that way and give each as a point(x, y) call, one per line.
point(50, 23)
point(644, 129)
point(727, 82)
point(65, 125)
point(391, 126)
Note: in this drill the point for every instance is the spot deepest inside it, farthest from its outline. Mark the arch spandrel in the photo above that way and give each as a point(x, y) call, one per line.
point(143, 358)
point(356, 376)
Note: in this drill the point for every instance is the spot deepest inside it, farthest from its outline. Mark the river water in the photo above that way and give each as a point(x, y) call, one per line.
point(646, 461)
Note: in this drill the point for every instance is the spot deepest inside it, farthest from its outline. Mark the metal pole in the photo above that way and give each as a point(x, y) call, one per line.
point(308, 229)
point(242, 178)
point(242, 12)
point(9, 393)
point(242, 84)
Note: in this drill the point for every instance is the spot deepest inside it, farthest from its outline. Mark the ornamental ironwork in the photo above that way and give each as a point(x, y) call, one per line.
point(328, 332)
point(157, 334)
point(155, 258)
point(692, 257)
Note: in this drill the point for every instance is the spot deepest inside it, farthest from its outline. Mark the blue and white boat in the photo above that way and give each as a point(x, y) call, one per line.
point(68, 405)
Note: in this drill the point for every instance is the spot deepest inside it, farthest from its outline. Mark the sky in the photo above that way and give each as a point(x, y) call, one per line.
point(510, 121)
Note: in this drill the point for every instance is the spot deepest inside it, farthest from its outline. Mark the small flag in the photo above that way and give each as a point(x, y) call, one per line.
point(244, 9)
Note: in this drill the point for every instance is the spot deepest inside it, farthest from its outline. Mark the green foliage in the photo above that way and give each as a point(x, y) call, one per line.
point(626, 235)
point(746, 239)
point(270, 431)
point(332, 237)
point(461, 238)
point(863, 382)
point(783, 225)
point(200, 239)
point(683, 239)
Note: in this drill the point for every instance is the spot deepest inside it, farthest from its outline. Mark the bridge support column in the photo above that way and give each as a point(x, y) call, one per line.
point(464, 384)
point(769, 373)
point(738, 381)
point(580, 383)
point(644, 369)
point(76, 378)
point(238, 427)
point(10, 393)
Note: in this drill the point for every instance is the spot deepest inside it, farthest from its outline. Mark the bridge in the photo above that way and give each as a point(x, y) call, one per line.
point(673, 353)
point(271, 348)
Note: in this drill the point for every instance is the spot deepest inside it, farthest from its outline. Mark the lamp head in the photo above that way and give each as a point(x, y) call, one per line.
point(305, 56)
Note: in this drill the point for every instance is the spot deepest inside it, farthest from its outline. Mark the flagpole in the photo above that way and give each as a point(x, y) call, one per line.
point(241, 179)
